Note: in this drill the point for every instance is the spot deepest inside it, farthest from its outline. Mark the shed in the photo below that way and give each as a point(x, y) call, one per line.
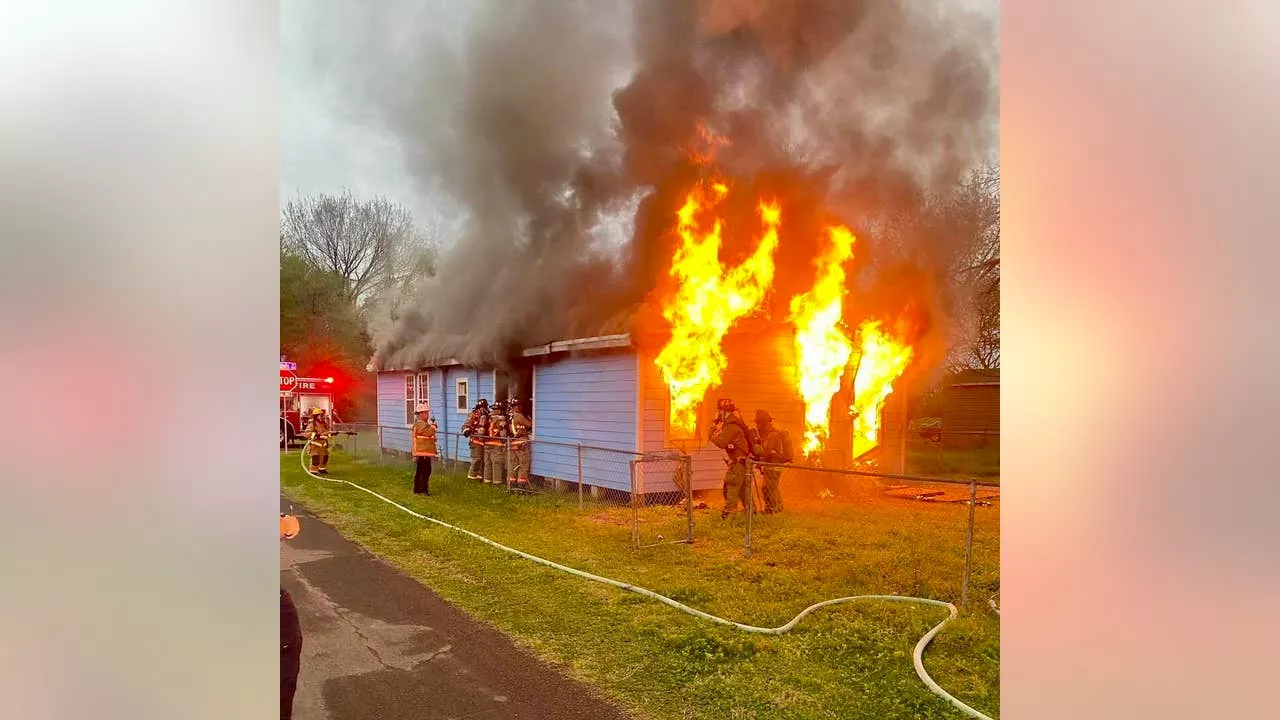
point(971, 409)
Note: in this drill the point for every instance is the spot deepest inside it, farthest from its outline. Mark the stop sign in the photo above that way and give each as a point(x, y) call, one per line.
point(288, 380)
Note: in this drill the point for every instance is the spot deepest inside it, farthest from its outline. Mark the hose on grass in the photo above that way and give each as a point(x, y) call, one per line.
point(917, 656)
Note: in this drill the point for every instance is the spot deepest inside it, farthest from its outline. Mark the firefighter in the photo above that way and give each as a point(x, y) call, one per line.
point(729, 432)
point(318, 432)
point(521, 428)
point(495, 451)
point(770, 444)
point(424, 449)
point(474, 429)
point(290, 632)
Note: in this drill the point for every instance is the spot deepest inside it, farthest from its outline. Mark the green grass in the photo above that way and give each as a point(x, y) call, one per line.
point(932, 460)
point(851, 661)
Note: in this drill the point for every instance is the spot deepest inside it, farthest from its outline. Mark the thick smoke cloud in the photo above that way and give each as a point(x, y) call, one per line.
point(550, 118)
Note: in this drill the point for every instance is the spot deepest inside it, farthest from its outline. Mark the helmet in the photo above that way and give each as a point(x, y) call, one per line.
point(726, 405)
point(317, 411)
point(499, 407)
point(514, 405)
point(763, 417)
point(482, 405)
point(289, 527)
point(422, 407)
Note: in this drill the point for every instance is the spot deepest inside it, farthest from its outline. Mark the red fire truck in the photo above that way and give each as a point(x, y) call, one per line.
point(298, 395)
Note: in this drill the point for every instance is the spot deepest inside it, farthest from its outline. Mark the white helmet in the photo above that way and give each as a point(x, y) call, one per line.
point(422, 407)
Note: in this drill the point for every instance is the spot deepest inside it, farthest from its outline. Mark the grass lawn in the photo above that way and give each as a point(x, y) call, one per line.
point(850, 661)
point(932, 460)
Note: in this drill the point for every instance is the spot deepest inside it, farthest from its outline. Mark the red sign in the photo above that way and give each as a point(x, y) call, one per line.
point(287, 381)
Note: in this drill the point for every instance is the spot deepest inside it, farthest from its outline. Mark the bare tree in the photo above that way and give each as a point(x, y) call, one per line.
point(956, 237)
point(975, 275)
point(373, 244)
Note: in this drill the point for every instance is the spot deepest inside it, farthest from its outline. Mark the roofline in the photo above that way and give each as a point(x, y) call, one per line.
point(599, 342)
point(975, 384)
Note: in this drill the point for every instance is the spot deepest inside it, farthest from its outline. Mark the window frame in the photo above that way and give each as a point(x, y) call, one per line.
point(462, 395)
point(417, 389)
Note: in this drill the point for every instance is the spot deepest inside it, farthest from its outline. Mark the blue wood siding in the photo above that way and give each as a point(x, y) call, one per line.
point(391, 397)
point(442, 393)
point(586, 400)
point(480, 384)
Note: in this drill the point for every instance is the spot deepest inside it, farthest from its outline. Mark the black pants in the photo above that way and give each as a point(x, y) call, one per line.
point(422, 475)
point(290, 653)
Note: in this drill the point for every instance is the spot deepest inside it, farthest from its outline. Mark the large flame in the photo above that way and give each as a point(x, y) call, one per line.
point(708, 302)
point(822, 347)
point(882, 360)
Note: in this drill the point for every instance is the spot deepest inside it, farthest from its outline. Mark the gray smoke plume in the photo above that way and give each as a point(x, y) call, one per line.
point(550, 119)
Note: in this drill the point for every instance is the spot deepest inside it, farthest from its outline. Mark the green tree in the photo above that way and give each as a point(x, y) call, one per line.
point(321, 329)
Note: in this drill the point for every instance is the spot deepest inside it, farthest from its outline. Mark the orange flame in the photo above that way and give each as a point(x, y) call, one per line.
point(883, 359)
point(708, 302)
point(822, 347)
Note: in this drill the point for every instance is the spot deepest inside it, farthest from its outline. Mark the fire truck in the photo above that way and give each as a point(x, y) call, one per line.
point(298, 395)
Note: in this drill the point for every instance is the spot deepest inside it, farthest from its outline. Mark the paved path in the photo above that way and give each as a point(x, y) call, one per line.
point(377, 644)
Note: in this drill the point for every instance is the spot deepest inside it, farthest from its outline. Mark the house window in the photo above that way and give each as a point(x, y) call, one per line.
point(415, 391)
point(463, 392)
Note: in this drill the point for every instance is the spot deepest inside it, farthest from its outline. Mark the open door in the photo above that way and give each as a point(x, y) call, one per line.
point(516, 384)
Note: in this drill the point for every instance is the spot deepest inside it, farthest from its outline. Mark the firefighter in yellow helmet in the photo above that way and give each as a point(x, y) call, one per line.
point(521, 454)
point(495, 451)
point(729, 432)
point(290, 632)
point(318, 432)
point(424, 449)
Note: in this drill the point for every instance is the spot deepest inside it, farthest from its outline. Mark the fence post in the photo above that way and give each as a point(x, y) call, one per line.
point(688, 494)
point(635, 510)
point(968, 549)
point(380, 444)
point(751, 506)
point(579, 477)
point(506, 450)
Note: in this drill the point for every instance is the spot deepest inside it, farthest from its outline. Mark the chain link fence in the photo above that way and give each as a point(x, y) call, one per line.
point(957, 514)
point(647, 493)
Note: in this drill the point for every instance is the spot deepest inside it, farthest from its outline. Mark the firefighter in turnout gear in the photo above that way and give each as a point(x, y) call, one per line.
point(475, 428)
point(521, 454)
point(495, 451)
point(729, 432)
point(770, 444)
point(318, 432)
point(424, 449)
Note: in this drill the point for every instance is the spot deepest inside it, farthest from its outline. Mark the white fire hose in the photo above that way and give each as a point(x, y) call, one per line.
point(917, 656)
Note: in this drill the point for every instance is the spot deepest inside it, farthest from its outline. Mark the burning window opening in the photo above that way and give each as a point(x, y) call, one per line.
point(709, 299)
point(882, 359)
point(822, 347)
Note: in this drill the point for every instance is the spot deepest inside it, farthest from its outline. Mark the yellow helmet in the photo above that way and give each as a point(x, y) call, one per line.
point(317, 411)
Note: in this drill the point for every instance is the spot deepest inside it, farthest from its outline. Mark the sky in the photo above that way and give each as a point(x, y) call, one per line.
point(325, 146)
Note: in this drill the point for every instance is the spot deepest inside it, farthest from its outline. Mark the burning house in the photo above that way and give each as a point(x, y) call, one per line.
point(748, 166)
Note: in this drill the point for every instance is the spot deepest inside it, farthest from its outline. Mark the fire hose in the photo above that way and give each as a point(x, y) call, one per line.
point(917, 655)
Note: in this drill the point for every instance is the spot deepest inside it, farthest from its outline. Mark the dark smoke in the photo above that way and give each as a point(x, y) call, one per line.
point(850, 104)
